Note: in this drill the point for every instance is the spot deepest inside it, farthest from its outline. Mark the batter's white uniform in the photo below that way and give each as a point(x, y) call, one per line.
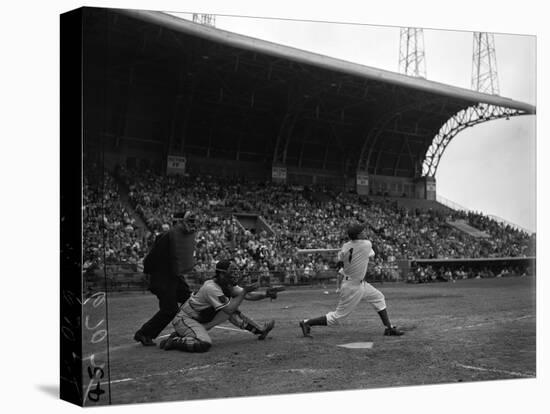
point(355, 254)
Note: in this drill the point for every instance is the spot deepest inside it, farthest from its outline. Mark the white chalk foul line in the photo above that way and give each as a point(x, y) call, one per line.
point(133, 345)
point(118, 348)
point(498, 371)
point(307, 371)
point(357, 345)
point(177, 371)
point(487, 323)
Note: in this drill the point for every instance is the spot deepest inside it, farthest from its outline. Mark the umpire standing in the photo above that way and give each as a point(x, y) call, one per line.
point(170, 257)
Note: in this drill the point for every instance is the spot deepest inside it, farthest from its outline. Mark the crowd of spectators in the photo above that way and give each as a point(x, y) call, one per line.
point(429, 273)
point(110, 233)
point(298, 219)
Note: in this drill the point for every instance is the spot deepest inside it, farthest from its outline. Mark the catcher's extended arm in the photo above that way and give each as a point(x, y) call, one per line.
point(271, 292)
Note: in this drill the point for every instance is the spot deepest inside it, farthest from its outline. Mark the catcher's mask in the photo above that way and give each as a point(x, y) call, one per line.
point(228, 272)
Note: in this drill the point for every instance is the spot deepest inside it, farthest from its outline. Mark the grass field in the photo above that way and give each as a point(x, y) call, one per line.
point(471, 330)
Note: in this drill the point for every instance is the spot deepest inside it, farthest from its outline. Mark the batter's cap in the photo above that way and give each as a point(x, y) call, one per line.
point(223, 266)
point(355, 230)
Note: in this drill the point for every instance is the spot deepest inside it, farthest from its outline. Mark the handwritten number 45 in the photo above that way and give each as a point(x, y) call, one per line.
point(95, 393)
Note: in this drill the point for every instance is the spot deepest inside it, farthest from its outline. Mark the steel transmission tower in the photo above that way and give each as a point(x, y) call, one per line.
point(206, 19)
point(484, 64)
point(412, 60)
point(485, 80)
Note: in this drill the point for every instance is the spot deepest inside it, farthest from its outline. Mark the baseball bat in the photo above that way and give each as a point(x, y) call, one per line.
point(311, 251)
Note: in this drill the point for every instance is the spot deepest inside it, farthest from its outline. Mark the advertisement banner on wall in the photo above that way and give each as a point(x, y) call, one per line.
point(362, 181)
point(176, 164)
point(278, 173)
point(430, 190)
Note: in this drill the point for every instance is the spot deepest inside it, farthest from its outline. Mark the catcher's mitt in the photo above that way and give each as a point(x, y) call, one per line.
point(271, 292)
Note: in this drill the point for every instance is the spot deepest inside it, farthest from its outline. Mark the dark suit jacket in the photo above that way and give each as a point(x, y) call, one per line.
point(171, 254)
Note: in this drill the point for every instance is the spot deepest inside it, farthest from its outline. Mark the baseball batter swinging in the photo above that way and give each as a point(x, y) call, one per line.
point(354, 256)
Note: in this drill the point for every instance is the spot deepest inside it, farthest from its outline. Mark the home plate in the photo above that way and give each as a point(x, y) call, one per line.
point(357, 345)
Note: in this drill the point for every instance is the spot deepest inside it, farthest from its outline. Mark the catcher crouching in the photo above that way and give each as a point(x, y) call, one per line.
point(217, 301)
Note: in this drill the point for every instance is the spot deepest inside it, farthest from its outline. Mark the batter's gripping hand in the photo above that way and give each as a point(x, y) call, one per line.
point(271, 292)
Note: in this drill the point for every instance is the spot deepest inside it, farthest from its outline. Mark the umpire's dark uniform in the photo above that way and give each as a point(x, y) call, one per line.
point(170, 257)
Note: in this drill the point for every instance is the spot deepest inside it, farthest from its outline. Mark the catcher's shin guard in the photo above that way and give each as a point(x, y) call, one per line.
point(267, 328)
point(244, 322)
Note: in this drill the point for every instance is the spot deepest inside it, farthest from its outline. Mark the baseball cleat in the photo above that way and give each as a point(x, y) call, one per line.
point(393, 331)
point(267, 328)
point(168, 343)
point(306, 329)
point(145, 340)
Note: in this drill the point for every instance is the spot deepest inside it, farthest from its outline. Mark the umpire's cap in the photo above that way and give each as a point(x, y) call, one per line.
point(355, 230)
point(183, 215)
point(187, 216)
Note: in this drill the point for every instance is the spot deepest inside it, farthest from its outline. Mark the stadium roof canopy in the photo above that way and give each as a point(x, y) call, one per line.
point(153, 77)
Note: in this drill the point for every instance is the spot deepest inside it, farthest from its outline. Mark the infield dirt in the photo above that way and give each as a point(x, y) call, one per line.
point(472, 330)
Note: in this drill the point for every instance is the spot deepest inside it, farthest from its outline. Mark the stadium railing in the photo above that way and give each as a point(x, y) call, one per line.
point(125, 277)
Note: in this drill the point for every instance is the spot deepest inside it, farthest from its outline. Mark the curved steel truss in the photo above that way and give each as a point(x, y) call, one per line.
point(283, 138)
point(468, 117)
point(374, 133)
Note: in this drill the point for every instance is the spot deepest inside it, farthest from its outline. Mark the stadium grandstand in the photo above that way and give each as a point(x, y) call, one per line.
point(277, 149)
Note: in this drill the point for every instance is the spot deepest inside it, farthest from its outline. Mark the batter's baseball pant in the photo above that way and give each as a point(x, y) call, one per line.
point(351, 293)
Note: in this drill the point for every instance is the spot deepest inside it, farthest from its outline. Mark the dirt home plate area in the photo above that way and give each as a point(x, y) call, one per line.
point(471, 330)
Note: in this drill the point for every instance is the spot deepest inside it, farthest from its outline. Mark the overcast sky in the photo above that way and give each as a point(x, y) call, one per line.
point(488, 168)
